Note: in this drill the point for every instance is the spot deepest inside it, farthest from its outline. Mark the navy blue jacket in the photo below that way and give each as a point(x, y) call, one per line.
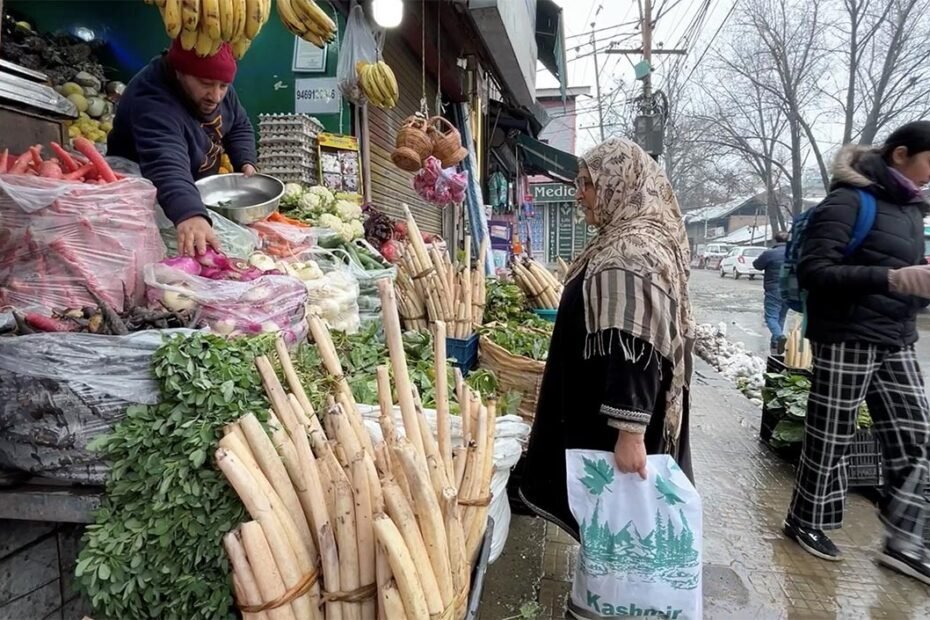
point(770, 262)
point(157, 127)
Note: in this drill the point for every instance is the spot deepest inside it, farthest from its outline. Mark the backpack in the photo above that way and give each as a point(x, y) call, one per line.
point(791, 292)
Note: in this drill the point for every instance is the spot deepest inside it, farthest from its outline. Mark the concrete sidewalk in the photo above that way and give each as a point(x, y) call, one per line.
point(750, 570)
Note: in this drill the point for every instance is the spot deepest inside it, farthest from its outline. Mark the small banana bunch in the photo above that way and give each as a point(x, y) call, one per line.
point(204, 25)
point(378, 83)
point(308, 21)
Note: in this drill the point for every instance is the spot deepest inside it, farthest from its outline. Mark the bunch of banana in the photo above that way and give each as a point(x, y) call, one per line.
point(378, 83)
point(204, 25)
point(308, 21)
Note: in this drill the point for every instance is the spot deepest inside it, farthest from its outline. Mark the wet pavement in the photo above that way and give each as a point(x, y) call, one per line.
point(750, 570)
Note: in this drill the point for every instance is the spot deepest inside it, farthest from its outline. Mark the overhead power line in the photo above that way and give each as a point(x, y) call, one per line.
point(712, 39)
point(588, 33)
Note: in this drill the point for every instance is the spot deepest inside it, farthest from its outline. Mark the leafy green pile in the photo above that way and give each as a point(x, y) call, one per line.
point(519, 340)
point(155, 549)
point(506, 303)
point(786, 396)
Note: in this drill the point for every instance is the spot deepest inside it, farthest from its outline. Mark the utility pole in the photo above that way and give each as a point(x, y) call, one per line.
point(597, 74)
point(650, 123)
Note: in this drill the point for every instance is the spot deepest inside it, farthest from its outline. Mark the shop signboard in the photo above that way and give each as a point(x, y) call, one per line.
point(317, 96)
point(552, 192)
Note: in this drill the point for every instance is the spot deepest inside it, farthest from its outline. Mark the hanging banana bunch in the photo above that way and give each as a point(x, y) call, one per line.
point(308, 21)
point(204, 25)
point(378, 83)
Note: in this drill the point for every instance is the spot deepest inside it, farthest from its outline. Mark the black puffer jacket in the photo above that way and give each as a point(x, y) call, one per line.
point(848, 299)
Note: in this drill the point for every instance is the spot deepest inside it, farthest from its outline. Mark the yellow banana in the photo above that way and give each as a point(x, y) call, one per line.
point(319, 30)
point(227, 19)
point(172, 18)
point(239, 30)
point(216, 45)
point(189, 39)
point(290, 20)
point(374, 86)
point(190, 14)
point(159, 3)
point(266, 11)
point(253, 18)
point(240, 47)
point(390, 82)
point(210, 18)
point(311, 11)
point(203, 45)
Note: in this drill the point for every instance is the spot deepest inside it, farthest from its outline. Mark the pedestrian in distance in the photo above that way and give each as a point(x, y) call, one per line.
point(619, 364)
point(861, 310)
point(774, 307)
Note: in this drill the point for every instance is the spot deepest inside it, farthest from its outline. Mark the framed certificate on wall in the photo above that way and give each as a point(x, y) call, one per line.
point(308, 58)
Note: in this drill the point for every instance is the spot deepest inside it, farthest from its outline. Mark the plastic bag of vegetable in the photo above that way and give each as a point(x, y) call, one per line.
point(235, 240)
point(358, 45)
point(237, 303)
point(334, 296)
point(368, 266)
point(284, 240)
point(60, 238)
point(55, 398)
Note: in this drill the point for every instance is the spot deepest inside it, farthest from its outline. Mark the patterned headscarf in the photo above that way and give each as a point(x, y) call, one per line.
point(636, 268)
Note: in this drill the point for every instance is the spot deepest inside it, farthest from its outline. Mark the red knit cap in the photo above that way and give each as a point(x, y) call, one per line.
point(221, 66)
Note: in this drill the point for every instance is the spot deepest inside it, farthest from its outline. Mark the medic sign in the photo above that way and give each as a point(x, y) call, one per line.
point(552, 192)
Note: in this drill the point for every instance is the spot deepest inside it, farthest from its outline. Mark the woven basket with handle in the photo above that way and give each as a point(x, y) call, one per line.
point(514, 373)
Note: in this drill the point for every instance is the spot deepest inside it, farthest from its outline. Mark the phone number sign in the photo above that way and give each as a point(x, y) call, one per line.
point(317, 96)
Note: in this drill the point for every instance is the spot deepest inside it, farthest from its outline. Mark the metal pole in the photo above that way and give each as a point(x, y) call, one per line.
point(597, 79)
point(647, 54)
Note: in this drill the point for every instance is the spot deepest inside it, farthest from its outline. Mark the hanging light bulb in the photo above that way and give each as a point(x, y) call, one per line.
point(387, 13)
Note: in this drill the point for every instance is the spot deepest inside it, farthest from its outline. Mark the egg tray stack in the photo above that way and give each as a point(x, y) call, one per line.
point(287, 147)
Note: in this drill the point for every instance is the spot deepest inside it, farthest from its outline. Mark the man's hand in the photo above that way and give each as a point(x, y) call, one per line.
point(248, 170)
point(194, 235)
point(630, 453)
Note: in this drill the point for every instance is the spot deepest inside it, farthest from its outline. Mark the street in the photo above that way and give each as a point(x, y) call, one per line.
point(738, 303)
point(750, 569)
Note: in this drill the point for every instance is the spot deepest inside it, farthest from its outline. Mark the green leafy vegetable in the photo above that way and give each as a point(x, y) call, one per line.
point(506, 303)
point(154, 550)
point(519, 340)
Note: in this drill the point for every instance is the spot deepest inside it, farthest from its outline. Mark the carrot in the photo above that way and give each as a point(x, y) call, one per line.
point(21, 165)
point(80, 173)
point(50, 170)
point(280, 218)
point(3, 159)
point(69, 165)
point(36, 152)
point(46, 324)
point(87, 148)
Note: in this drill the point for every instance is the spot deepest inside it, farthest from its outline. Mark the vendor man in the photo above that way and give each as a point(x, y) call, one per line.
point(176, 118)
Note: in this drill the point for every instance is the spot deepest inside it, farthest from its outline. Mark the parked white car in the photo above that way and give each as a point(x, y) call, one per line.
point(739, 263)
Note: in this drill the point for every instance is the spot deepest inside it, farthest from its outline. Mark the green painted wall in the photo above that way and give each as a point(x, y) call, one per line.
point(131, 34)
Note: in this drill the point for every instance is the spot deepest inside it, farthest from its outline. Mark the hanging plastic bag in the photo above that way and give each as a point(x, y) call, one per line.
point(641, 540)
point(358, 45)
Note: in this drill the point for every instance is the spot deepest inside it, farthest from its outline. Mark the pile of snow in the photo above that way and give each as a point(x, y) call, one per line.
point(731, 359)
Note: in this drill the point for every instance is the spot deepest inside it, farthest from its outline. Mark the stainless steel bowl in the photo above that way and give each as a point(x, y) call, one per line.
point(240, 198)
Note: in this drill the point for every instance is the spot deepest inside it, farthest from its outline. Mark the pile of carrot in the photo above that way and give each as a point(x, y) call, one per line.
point(64, 166)
point(346, 528)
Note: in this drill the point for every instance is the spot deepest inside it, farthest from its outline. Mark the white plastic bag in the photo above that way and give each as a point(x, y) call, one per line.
point(358, 45)
point(641, 543)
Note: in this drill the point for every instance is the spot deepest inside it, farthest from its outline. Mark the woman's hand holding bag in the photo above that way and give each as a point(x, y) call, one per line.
point(630, 453)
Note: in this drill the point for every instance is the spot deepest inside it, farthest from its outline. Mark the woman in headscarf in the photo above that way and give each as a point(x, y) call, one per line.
point(619, 364)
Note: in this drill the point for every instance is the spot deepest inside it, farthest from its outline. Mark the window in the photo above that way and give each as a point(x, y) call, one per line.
point(753, 252)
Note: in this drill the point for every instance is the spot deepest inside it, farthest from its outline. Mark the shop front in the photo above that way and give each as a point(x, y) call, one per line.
point(564, 232)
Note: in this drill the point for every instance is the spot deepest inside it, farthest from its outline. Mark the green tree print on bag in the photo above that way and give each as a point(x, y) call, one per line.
point(640, 540)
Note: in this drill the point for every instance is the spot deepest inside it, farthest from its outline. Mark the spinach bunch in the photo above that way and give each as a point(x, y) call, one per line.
point(519, 340)
point(154, 550)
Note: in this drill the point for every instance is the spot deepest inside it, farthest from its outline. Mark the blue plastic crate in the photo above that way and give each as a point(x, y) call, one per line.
point(546, 314)
point(463, 353)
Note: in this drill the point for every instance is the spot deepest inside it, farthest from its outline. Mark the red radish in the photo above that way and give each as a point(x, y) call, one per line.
point(3, 159)
point(87, 148)
point(36, 152)
point(21, 165)
point(68, 163)
point(214, 259)
point(46, 324)
point(391, 251)
point(80, 173)
point(400, 230)
point(50, 170)
point(184, 263)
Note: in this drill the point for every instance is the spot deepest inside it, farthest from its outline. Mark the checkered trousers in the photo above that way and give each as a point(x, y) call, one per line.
point(891, 383)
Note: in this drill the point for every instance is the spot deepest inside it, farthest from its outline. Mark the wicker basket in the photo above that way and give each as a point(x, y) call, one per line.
point(413, 144)
point(514, 373)
point(447, 142)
